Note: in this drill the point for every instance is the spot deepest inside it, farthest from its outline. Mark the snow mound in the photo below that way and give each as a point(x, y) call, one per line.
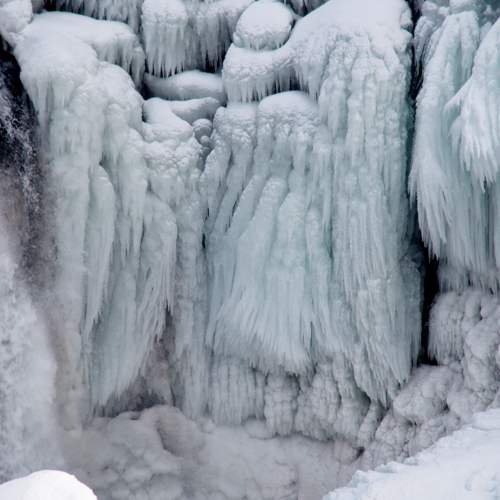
point(462, 466)
point(264, 25)
point(46, 485)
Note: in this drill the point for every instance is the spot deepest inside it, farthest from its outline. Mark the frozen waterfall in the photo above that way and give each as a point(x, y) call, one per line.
point(214, 224)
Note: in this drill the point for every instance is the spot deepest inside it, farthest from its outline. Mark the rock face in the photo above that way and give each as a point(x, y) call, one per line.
point(211, 203)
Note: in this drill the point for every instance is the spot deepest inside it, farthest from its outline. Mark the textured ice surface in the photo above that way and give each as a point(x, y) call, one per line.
point(463, 466)
point(182, 35)
point(117, 183)
point(299, 190)
point(454, 174)
point(46, 485)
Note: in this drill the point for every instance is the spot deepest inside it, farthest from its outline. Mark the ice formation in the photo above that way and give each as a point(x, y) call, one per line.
point(117, 182)
point(454, 172)
point(224, 268)
point(295, 199)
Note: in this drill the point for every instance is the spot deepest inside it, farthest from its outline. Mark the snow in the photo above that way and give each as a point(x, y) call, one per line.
point(46, 485)
point(14, 17)
point(463, 466)
point(263, 25)
point(113, 42)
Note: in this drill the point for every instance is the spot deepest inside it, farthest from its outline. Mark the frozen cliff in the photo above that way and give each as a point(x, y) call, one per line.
point(217, 220)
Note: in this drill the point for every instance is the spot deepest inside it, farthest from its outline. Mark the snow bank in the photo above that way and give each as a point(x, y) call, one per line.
point(46, 485)
point(462, 466)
